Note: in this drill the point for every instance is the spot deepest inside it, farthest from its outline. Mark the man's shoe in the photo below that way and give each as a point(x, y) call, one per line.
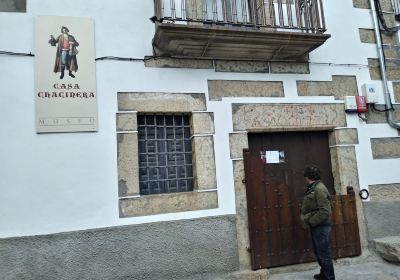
point(319, 277)
point(72, 75)
point(62, 75)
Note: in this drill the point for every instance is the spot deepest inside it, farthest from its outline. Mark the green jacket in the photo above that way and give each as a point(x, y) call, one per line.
point(316, 208)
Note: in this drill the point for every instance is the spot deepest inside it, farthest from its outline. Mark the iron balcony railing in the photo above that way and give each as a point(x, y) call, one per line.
point(282, 15)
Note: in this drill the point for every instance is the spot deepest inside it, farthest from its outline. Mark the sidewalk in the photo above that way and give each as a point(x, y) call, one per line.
point(369, 268)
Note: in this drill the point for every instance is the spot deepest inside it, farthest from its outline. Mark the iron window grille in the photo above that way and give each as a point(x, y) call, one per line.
point(165, 154)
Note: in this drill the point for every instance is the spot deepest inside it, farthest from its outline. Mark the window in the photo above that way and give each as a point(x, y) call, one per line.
point(165, 154)
point(236, 11)
point(228, 10)
point(165, 146)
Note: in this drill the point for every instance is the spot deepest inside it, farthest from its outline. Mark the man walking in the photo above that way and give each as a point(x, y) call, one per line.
point(316, 214)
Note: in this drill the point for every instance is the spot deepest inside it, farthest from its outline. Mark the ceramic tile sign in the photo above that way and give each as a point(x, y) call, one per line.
point(65, 75)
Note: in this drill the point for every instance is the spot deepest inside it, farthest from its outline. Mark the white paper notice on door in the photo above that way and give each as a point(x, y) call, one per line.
point(272, 156)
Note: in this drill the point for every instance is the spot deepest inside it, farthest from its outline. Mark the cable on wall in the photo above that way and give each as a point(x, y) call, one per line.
point(120, 58)
point(158, 57)
point(15, 53)
point(373, 107)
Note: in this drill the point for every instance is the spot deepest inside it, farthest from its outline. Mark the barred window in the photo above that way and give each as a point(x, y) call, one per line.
point(165, 154)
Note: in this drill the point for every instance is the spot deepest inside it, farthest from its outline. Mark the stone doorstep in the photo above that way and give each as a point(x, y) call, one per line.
point(366, 256)
point(388, 248)
point(265, 274)
point(261, 274)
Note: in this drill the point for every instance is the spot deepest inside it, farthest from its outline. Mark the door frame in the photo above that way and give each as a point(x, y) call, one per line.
point(342, 142)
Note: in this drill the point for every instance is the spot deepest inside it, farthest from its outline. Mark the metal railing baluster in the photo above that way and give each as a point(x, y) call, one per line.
point(289, 12)
point(290, 15)
point(280, 11)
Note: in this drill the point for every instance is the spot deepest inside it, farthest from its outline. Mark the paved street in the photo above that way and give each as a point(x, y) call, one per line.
point(368, 269)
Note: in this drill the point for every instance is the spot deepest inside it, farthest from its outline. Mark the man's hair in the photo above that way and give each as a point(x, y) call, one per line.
point(312, 172)
point(64, 28)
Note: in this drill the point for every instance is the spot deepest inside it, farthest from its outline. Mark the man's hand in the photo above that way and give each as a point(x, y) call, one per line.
point(304, 220)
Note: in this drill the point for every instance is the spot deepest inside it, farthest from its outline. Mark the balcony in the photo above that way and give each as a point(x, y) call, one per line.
point(238, 29)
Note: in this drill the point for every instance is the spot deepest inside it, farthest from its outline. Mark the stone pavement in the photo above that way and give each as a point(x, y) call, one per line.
point(362, 268)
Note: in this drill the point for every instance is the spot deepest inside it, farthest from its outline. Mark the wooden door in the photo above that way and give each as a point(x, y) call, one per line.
point(275, 188)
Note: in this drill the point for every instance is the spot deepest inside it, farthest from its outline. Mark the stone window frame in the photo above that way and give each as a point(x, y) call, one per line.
point(204, 194)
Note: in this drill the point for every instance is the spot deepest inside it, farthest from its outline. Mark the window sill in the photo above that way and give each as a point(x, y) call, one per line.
point(167, 203)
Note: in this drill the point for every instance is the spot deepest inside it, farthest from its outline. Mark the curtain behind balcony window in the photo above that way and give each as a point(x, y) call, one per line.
point(174, 9)
point(214, 10)
point(230, 11)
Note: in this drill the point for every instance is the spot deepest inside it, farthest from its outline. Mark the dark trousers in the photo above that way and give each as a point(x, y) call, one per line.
point(320, 239)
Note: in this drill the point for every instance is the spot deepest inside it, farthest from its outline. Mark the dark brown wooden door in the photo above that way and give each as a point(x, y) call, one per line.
point(275, 187)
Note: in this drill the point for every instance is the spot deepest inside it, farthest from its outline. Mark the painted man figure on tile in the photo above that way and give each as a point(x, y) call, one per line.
point(316, 213)
point(66, 53)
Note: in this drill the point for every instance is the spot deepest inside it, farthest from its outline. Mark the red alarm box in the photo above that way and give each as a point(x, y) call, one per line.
point(361, 102)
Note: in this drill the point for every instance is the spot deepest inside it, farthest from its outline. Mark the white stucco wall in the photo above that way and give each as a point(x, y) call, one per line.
point(68, 181)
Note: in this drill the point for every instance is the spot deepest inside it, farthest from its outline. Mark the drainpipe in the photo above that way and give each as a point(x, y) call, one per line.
point(389, 112)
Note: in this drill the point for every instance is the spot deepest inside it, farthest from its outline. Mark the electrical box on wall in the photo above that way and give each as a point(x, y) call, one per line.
point(355, 104)
point(350, 104)
point(370, 91)
point(361, 102)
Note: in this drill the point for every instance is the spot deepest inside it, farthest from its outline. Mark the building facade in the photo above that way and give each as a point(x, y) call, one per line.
point(207, 113)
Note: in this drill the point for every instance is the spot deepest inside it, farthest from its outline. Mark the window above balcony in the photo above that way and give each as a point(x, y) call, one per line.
point(238, 29)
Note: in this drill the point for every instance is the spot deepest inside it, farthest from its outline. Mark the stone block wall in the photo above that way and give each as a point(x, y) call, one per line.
point(396, 91)
point(364, 4)
point(391, 47)
point(217, 89)
point(339, 87)
point(232, 66)
point(379, 116)
point(385, 148)
point(382, 211)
